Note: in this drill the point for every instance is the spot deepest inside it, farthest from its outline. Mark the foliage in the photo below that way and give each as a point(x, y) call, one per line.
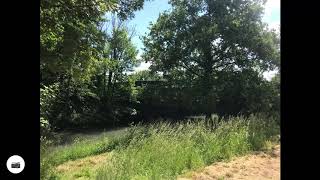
point(201, 43)
point(48, 95)
point(71, 36)
point(235, 93)
point(207, 58)
point(74, 56)
point(275, 93)
point(146, 75)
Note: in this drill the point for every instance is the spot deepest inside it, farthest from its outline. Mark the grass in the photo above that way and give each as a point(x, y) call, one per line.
point(86, 147)
point(51, 157)
point(165, 150)
point(84, 168)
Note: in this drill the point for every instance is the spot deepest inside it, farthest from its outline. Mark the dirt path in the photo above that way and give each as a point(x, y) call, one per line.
point(259, 166)
point(84, 168)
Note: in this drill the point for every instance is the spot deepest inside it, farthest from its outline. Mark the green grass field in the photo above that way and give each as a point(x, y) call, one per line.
point(161, 150)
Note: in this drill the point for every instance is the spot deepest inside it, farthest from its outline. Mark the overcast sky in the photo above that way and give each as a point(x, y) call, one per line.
point(151, 10)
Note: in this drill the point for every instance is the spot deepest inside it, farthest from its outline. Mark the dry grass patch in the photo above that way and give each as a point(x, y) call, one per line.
point(84, 168)
point(259, 165)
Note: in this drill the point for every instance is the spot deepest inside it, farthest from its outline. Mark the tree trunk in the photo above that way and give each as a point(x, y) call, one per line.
point(109, 82)
point(104, 82)
point(207, 84)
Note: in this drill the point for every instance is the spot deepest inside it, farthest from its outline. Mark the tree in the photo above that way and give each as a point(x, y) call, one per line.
point(71, 36)
point(113, 86)
point(275, 93)
point(146, 75)
point(201, 38)
point(121, 52)
point(72, 47)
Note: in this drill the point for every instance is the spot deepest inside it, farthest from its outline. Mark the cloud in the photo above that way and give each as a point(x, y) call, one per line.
point(272, 11)
point(271, 5)
point(272, 14)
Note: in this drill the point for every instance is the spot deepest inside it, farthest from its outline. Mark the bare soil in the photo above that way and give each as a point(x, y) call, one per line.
point(257, 166)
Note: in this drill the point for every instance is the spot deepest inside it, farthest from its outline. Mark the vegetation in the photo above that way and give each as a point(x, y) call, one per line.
point(214, 48)
point(207, 57)
point(85, 62)
point(164, 150)
point(53, 155)
point(204, 60)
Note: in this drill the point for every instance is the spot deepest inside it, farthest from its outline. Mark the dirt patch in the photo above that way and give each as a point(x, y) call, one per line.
point(82, 168)
point(259, 165)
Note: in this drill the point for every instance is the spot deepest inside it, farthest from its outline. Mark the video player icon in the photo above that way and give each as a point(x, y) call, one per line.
point(15, 164)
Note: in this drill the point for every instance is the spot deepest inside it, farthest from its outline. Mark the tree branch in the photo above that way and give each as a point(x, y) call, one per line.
point(189, 69)
point(133, 32)
point(226, 64)
point(62, 4)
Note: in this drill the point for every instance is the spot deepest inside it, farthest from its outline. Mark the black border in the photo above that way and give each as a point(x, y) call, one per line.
point(20, 87)
point(298, 68)
point(20, 128)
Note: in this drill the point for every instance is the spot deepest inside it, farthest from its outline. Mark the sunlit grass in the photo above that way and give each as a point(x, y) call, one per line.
point(164, 150)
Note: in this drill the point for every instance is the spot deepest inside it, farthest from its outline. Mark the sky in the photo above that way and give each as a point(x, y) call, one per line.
point(152, 9)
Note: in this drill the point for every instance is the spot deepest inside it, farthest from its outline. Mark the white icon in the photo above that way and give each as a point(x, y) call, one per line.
point(15, 164)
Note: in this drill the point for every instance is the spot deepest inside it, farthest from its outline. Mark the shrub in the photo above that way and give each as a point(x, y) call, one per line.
point(48, 96)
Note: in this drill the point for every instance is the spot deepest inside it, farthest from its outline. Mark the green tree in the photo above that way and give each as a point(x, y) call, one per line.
point(275, 93)
point(113, 85)
point(72, 47)
point(121, 52)
point(202, 38)
point(70, 38)
point(146, 75)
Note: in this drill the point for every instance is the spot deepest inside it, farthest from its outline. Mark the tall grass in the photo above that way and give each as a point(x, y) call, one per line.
point(164, 150)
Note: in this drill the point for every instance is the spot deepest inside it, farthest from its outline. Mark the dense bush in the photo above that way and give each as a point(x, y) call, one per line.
point(233, 93)
point(76, 105)
point(81, 106)
point(48, 96)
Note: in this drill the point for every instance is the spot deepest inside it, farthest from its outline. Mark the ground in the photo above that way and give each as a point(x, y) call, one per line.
point(84, 168)
point(257, 166)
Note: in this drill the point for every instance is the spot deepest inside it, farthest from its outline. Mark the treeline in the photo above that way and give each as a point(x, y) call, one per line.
point(237, 93)
point(208, 57)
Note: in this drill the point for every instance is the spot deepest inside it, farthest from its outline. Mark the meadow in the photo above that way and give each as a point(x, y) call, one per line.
point(161, 150)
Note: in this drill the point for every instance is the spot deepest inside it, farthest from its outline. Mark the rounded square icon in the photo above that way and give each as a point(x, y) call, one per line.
point(15, 164)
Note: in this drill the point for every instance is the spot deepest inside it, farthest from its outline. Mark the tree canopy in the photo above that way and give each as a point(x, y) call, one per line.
point(202, 41)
